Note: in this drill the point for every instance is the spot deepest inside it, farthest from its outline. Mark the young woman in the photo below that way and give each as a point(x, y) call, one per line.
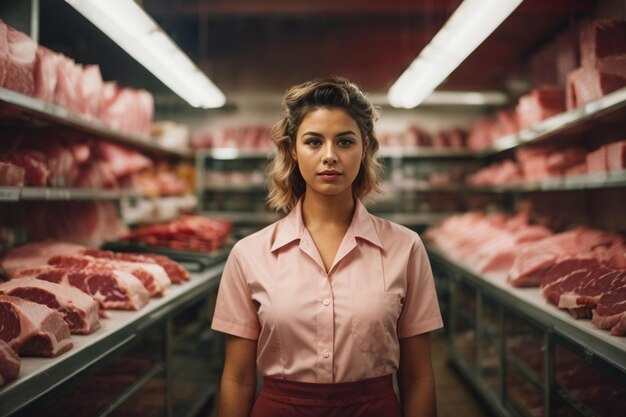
point(330, 301)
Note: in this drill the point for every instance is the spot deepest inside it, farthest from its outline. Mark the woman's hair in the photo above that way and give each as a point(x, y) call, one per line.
point(286, 184)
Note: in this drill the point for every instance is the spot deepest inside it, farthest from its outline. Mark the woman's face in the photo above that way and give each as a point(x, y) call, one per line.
point(328, 150)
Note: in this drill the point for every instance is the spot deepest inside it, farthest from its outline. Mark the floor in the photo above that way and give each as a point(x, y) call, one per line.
point(454, 396)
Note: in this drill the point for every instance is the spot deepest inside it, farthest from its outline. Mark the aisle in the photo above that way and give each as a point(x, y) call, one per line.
point(454, 396)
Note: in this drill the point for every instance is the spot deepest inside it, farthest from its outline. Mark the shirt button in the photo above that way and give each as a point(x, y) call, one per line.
point(326, 301)
point(326, 354)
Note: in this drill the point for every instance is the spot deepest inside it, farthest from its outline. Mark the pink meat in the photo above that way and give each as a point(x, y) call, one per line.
point(533, 261)
point(122, 161)
point(33, 329)
point(588, 84)
point(112, 289)
point(597, 161)
point(9, 363)
point(176, 273)
point(540, 104)
point(21, 63)
point(46, 74)
point(35, 254)
point(11, 175)
point(616, 156)
point(152, 276)
point(601, 39)
point(36, 171)
point(79, 310)
point(68, 92)
point(91, 87)
point(4, 52)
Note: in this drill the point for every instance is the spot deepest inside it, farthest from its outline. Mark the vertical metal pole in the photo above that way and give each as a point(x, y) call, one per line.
point(34, 20)
point(548, 372)
point(168, 367)
point(479, 333)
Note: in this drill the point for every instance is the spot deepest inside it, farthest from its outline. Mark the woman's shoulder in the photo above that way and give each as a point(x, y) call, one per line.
point(261, 239)
point(390, 231)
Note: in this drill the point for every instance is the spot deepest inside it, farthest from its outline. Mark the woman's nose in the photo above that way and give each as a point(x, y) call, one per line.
point(329, 156)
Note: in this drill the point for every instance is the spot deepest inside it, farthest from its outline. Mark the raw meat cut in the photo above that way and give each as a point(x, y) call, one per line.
point(588, 84)
point(534, 261)
point(122, 161)
point(597, 161)
point(152, 276)
point(33, 329)
point(11, 175)
point(112, 289)
point(91, 87)
point(610, 312)
point(176, 273)
point(46, 74)
point(541, 103)
point(9, 363)
point(4, 52)
point(21, 62)
point(79, 310)
point(600, 39)
point(35, 254)
point(36, 171)
point(616, 156)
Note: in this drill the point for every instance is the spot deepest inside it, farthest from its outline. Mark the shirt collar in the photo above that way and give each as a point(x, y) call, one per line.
point(292, 228)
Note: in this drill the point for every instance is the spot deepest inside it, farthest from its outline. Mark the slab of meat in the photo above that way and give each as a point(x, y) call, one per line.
point(601, 39)
point(195, 233)
point(176, 273)
point(610, 312)
point(33, 329)
point(152, 276)
point(597, 161)
point(534, 261)
point(9, 363)
point(540, 104)
point(35, 254)
point(11, 175)
point(588, 84)
point(122, 161)
point(79, 310)
point(68, 92)
point(112, 289)
point(21, 62)
point(616, 156)
point(46, 74)
point(4, 52)
point(36, 171)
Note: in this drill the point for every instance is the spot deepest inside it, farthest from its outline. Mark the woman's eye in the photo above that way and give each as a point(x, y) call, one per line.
point(313, 142)
point(345, 142)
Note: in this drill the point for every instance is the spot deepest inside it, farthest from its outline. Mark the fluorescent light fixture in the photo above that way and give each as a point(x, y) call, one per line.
point(133, 30)
point(464, 31)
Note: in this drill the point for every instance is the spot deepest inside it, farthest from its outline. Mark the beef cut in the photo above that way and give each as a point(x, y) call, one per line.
point(33, 329)
point(9, 363)
point(176, 273)
point(34, 254)
point(152, 276)
point(46, 74)
point(11, 175)
point(21, 62)
point(111, 288)
point(79, 310)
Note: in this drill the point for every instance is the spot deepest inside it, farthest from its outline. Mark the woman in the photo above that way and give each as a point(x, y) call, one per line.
point(330, 301)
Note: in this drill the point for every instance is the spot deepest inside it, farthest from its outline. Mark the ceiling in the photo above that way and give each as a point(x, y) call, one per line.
point(263, 47)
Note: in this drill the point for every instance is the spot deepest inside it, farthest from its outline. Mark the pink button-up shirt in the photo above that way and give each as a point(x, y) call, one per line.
point(313, 326)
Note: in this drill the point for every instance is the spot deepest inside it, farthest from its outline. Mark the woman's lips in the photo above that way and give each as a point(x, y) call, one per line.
point(330, 177)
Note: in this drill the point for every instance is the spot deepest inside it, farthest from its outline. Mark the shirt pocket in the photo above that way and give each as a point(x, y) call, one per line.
point(374, 319)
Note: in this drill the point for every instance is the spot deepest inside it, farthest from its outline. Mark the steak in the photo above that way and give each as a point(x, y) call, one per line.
point(176, 273)
point(152, 276)
point(79, 310)
point(33, 329)
point(9, 363)
point(34, 254)
point(111, 288)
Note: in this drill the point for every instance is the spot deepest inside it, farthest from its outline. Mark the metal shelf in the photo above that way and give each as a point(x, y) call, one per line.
point(235, 153)
point(63, 194)
point(572, 123)
point(40, 376)
point(427, 152)
point(28, 108)
point(530, 302)
point(415, 219)
point(235, 187)
point(253, 217)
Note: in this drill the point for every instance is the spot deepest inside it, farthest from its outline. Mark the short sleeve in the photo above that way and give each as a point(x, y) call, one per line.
point(420, 312)
point(235, 313)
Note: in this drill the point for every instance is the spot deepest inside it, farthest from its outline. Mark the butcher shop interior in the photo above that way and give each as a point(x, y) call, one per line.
point(135, 141)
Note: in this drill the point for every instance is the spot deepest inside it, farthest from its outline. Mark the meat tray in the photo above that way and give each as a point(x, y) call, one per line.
point(192, 261)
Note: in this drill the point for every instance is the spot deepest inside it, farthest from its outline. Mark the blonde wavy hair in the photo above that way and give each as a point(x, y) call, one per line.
point(286, 184)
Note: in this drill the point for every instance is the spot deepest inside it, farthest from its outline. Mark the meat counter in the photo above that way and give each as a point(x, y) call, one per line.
point(161, 360)
point(523, 356)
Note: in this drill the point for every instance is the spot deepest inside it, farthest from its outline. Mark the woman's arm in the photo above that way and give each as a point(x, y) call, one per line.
point(238, 384)
point(415, 377)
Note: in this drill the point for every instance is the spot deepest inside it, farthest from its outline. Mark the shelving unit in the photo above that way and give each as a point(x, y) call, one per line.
point(44, 380)
point(15, 109)
point(63, 194)
point(524, 381)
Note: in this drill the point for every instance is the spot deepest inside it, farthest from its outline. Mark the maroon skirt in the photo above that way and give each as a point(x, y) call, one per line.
point(367, 398)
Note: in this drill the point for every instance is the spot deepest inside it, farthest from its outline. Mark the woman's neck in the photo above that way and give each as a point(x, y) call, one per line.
point(323, 210)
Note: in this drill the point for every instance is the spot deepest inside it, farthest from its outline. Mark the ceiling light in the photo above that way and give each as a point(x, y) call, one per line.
point(133, 30)
point(464, 31)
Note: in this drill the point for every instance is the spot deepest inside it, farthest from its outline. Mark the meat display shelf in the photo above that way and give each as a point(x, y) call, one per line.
point(427, 153)
point(613, 179)
point(611, 107)
point(415, 219)
point(63, 194)
point(236, 187)
point(530, 302)
point(235, 153)
point(250, 217)
point(40, 376)
point(530, 330)
point(15, 106)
